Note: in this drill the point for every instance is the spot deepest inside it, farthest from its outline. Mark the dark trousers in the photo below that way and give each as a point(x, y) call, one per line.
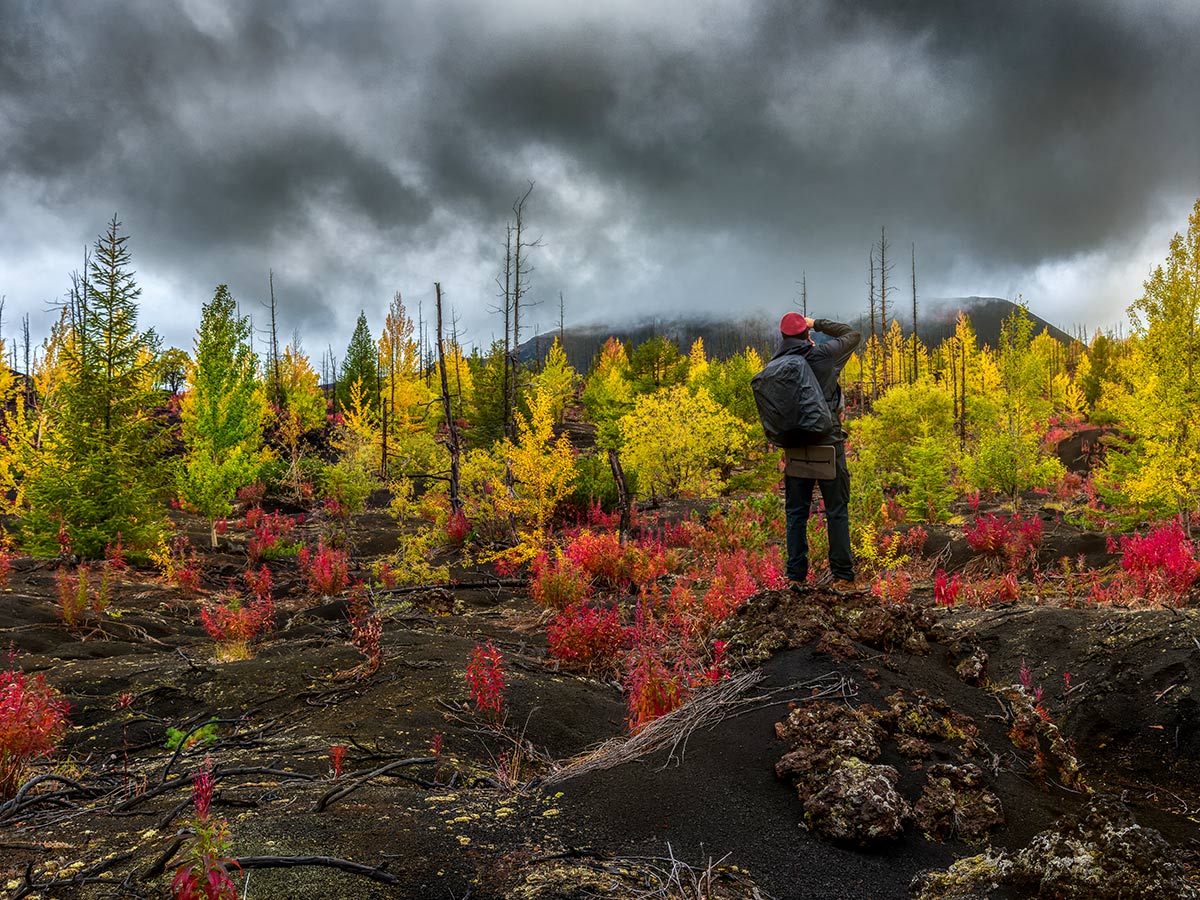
point(798, 493)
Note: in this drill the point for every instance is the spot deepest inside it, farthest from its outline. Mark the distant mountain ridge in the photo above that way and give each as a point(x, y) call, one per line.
point(723, 338)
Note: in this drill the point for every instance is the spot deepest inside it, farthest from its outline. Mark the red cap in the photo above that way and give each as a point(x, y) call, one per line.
point(793, 325)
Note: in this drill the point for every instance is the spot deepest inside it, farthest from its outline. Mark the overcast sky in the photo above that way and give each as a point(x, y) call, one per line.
point(690, 155)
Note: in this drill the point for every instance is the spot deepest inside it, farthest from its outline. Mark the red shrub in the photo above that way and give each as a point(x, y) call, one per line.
point(335, 508)
point(732, 583)
point(272, 537)
point(252, 494)
point(458, 529)
point(894, 587)
point(1013, 540)
point(387, 576)
point(651, 688)
point(206, 873)
point(485, 679)
point(945, 590)
point(586, 637)
point(260, 586)
point(33, 718)
point(912, 542)
point(366, 632)
point(1161, 564)
point(603, 558)
point(114, 556)
point(558, 584)
point(327, 571)
point(337, 756)
point(233, 624)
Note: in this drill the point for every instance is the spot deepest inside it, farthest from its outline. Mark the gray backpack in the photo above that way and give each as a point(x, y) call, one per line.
point(790, 403)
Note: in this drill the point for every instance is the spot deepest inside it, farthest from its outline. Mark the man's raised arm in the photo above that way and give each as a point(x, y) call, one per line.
point(845, 338)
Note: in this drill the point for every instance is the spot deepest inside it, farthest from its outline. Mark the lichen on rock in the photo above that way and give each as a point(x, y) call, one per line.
point(859, 803)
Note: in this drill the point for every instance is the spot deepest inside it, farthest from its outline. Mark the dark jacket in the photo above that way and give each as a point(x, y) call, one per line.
point(826, 360)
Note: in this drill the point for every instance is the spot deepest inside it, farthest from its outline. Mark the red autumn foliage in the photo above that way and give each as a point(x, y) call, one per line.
point(458, 529)
point(33, 719)
point(558, 584)
point(585, 637)
point(1161, 564)
point(945, 590)
point(337, 756)
point(651, 688)
point(327, 571)
point(1011, 539)
point(272, 534)
point(485, 679)
point(229, 621)
point(260, 586)
point(894, 587)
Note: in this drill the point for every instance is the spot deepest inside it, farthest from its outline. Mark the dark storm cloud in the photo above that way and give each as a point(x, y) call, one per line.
point(685, 153)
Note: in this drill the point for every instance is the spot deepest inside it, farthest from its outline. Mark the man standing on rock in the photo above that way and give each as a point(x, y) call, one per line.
point(826, 361)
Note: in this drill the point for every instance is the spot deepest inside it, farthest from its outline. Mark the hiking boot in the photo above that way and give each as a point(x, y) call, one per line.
point(844, 588)
point(799, 587)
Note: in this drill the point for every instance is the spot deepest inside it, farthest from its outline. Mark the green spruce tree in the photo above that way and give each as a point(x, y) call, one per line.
point(223, 413)
point(97, 476)
point(362, 365)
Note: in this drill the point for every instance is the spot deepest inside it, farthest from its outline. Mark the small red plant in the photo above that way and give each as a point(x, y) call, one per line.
point(945, 590)
point(327, 571)
point(336, 756)
point(912, 542)
point(651, 688)
point(458, 529)
point(64, 539)
point(485, 679)
point(260, 586)
point(1161, 564)
point(273, 535)
point(586, 637)
point(206, 873)
point(388, 578)
point(717, 670)
point(732, 583)
point(558, 584)
point(233, 625)
point(335, 508)
point(5, 567)
point(33, 719)
point(605, 560)
point(366, 633)
point(252, 495)
point(1013, 540)
point(114, 556)
point(894, 587)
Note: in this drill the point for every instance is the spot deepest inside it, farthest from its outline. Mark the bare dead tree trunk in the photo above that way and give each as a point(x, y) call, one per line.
point(383, 416)
point(623, 499)
point(962, 406)
point(276, 377)
point(508, 306)
point(914, 336)
point(519, 289)
point(451, 426)
point(953, 380)
point(872, 345)
point(883, 292)
point(30, 399)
